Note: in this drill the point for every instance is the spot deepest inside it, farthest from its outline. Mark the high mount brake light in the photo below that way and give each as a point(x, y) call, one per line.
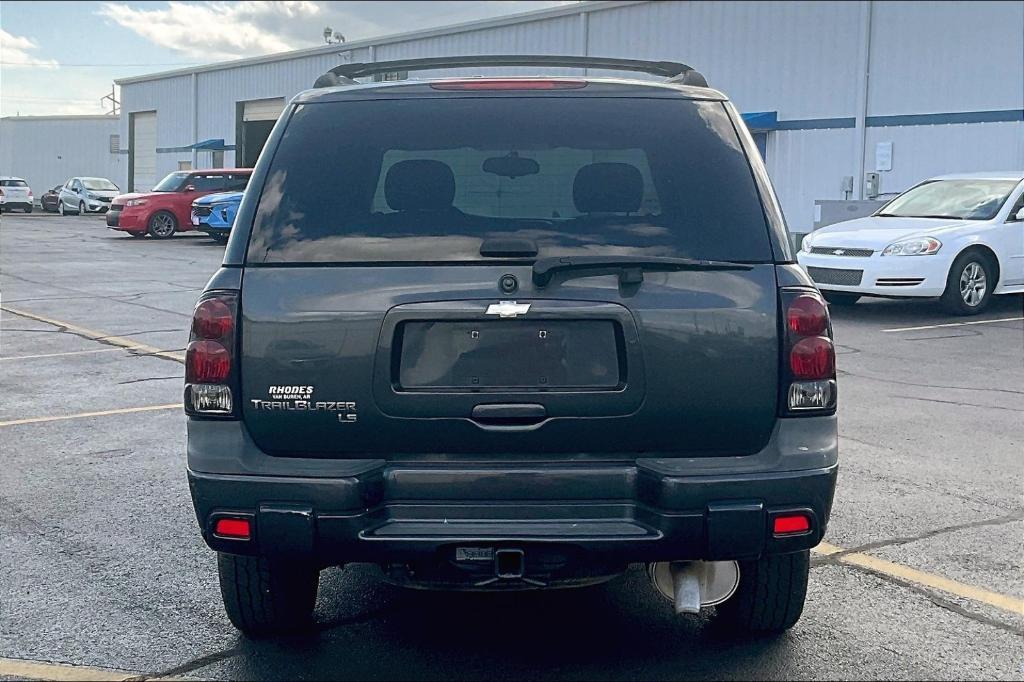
point(809, 362)
point(210, 373)
point(509, 84)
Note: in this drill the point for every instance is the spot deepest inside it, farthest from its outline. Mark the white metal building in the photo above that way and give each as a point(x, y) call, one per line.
point(47, 150)
point(831, 89)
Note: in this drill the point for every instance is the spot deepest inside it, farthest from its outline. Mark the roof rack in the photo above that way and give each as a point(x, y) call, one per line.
point(675, 72)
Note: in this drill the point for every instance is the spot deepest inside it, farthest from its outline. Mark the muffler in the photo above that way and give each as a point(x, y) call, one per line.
point(689, 585)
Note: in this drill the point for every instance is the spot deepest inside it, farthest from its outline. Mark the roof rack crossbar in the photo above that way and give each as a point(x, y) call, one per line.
point(675, 72)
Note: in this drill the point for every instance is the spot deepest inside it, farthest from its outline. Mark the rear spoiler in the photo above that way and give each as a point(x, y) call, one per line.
point(674, 72)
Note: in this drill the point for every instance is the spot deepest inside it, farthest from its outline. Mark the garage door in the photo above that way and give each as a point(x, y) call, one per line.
point(258, 118)
point(143, 150)
point(263, 109)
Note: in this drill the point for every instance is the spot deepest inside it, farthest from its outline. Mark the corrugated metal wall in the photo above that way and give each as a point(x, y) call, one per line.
point(797, 58)
point(46, 150)
point(946, 56)
point(171, 99)
point(800, 59)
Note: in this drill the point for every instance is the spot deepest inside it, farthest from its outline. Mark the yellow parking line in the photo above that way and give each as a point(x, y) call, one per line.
point(57, 355)
point(951, 324)
point(62, 672)
point(84, 415)
point(98, 336)
point(978, 594)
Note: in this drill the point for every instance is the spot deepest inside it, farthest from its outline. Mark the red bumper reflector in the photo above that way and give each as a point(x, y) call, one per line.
point(232, 528)
point(788, 525)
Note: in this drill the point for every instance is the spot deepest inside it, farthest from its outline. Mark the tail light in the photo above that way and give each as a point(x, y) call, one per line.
point(809, 356)
point(1, 192)
point(211, 372)
point(30, 194)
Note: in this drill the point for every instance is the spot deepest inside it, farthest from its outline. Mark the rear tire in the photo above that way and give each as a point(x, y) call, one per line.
point(771, 594)
point(267, 597)
point(840, 298)
point(969, 284)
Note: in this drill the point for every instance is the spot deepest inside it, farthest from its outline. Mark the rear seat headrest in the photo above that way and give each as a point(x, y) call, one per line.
point(419, 184)
point(608, 188)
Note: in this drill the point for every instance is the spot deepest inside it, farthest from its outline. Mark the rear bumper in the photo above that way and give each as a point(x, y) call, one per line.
point(339, 511)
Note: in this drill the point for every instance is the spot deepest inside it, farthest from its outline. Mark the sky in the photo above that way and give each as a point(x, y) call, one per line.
point(62, 57)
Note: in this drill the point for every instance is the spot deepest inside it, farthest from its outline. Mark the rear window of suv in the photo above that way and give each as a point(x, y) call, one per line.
point(13, 183)
point(430, 179)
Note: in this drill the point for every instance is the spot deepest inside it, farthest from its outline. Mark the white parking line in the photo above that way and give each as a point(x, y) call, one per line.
point(59, 355)
point(952, 324)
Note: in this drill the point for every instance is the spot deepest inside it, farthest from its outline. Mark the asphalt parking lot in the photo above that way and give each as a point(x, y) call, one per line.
point(102, 566)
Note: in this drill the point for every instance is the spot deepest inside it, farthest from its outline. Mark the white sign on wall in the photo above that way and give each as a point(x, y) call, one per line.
point(883, 156)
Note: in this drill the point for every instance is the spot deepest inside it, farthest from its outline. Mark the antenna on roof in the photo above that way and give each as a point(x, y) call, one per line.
point(332, 37)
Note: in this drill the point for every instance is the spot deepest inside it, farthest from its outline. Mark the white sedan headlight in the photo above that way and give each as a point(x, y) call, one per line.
point(916, 246)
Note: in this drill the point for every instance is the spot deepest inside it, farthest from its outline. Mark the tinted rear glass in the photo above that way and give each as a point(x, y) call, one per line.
point(13, 183)
point(431, 179)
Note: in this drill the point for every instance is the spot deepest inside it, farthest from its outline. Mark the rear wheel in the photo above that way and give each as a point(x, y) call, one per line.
point(770, 597)
point(969, 284)
point(28, 209)
point(840, 298)
point(162, 225)
point(267, 597)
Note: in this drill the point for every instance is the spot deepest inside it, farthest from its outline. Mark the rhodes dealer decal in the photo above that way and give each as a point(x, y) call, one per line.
point(300, 399)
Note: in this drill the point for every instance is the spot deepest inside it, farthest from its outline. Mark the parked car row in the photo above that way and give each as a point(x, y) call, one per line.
point(168, 208)
point(80, 195)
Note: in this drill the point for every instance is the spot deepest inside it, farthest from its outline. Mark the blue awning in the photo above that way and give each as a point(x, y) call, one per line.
point(211, 145)
point(762, 120)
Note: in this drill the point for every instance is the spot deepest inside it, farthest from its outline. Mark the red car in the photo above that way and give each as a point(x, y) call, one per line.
point(168, 208)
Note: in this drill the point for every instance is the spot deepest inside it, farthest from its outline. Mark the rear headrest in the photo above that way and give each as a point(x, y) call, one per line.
point(608, 188)
point(419, 184)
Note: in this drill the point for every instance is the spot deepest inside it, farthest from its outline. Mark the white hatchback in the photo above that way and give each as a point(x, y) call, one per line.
point(958, 237)
point(15, 193)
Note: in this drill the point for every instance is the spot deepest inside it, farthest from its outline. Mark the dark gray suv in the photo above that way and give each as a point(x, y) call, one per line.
point(512, 333)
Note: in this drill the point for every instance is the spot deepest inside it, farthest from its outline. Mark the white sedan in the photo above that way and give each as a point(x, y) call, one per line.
point(958, 237)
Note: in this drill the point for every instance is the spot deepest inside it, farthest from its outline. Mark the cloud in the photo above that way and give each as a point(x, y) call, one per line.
point(14, 53)
point(215, 30)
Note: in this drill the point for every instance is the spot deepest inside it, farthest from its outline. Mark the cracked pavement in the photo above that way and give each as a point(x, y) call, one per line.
point(101, 563)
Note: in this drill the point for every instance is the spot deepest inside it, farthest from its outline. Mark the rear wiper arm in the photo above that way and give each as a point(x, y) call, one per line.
point(629, 268)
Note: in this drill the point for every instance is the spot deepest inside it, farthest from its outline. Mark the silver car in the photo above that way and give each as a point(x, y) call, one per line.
point(86, 195)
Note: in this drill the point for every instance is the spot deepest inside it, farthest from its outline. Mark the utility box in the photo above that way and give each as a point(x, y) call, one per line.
point(831, 211)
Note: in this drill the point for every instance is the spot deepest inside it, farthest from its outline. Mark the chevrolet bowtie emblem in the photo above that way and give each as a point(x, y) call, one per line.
point(507, 309)
point(838, 252)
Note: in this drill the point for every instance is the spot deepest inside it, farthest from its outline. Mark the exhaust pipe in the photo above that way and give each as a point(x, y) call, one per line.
point(689, 585)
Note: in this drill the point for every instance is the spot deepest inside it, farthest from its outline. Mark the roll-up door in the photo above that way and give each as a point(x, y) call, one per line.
point(143, 151)
point(263, 109)
point(257, 120)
